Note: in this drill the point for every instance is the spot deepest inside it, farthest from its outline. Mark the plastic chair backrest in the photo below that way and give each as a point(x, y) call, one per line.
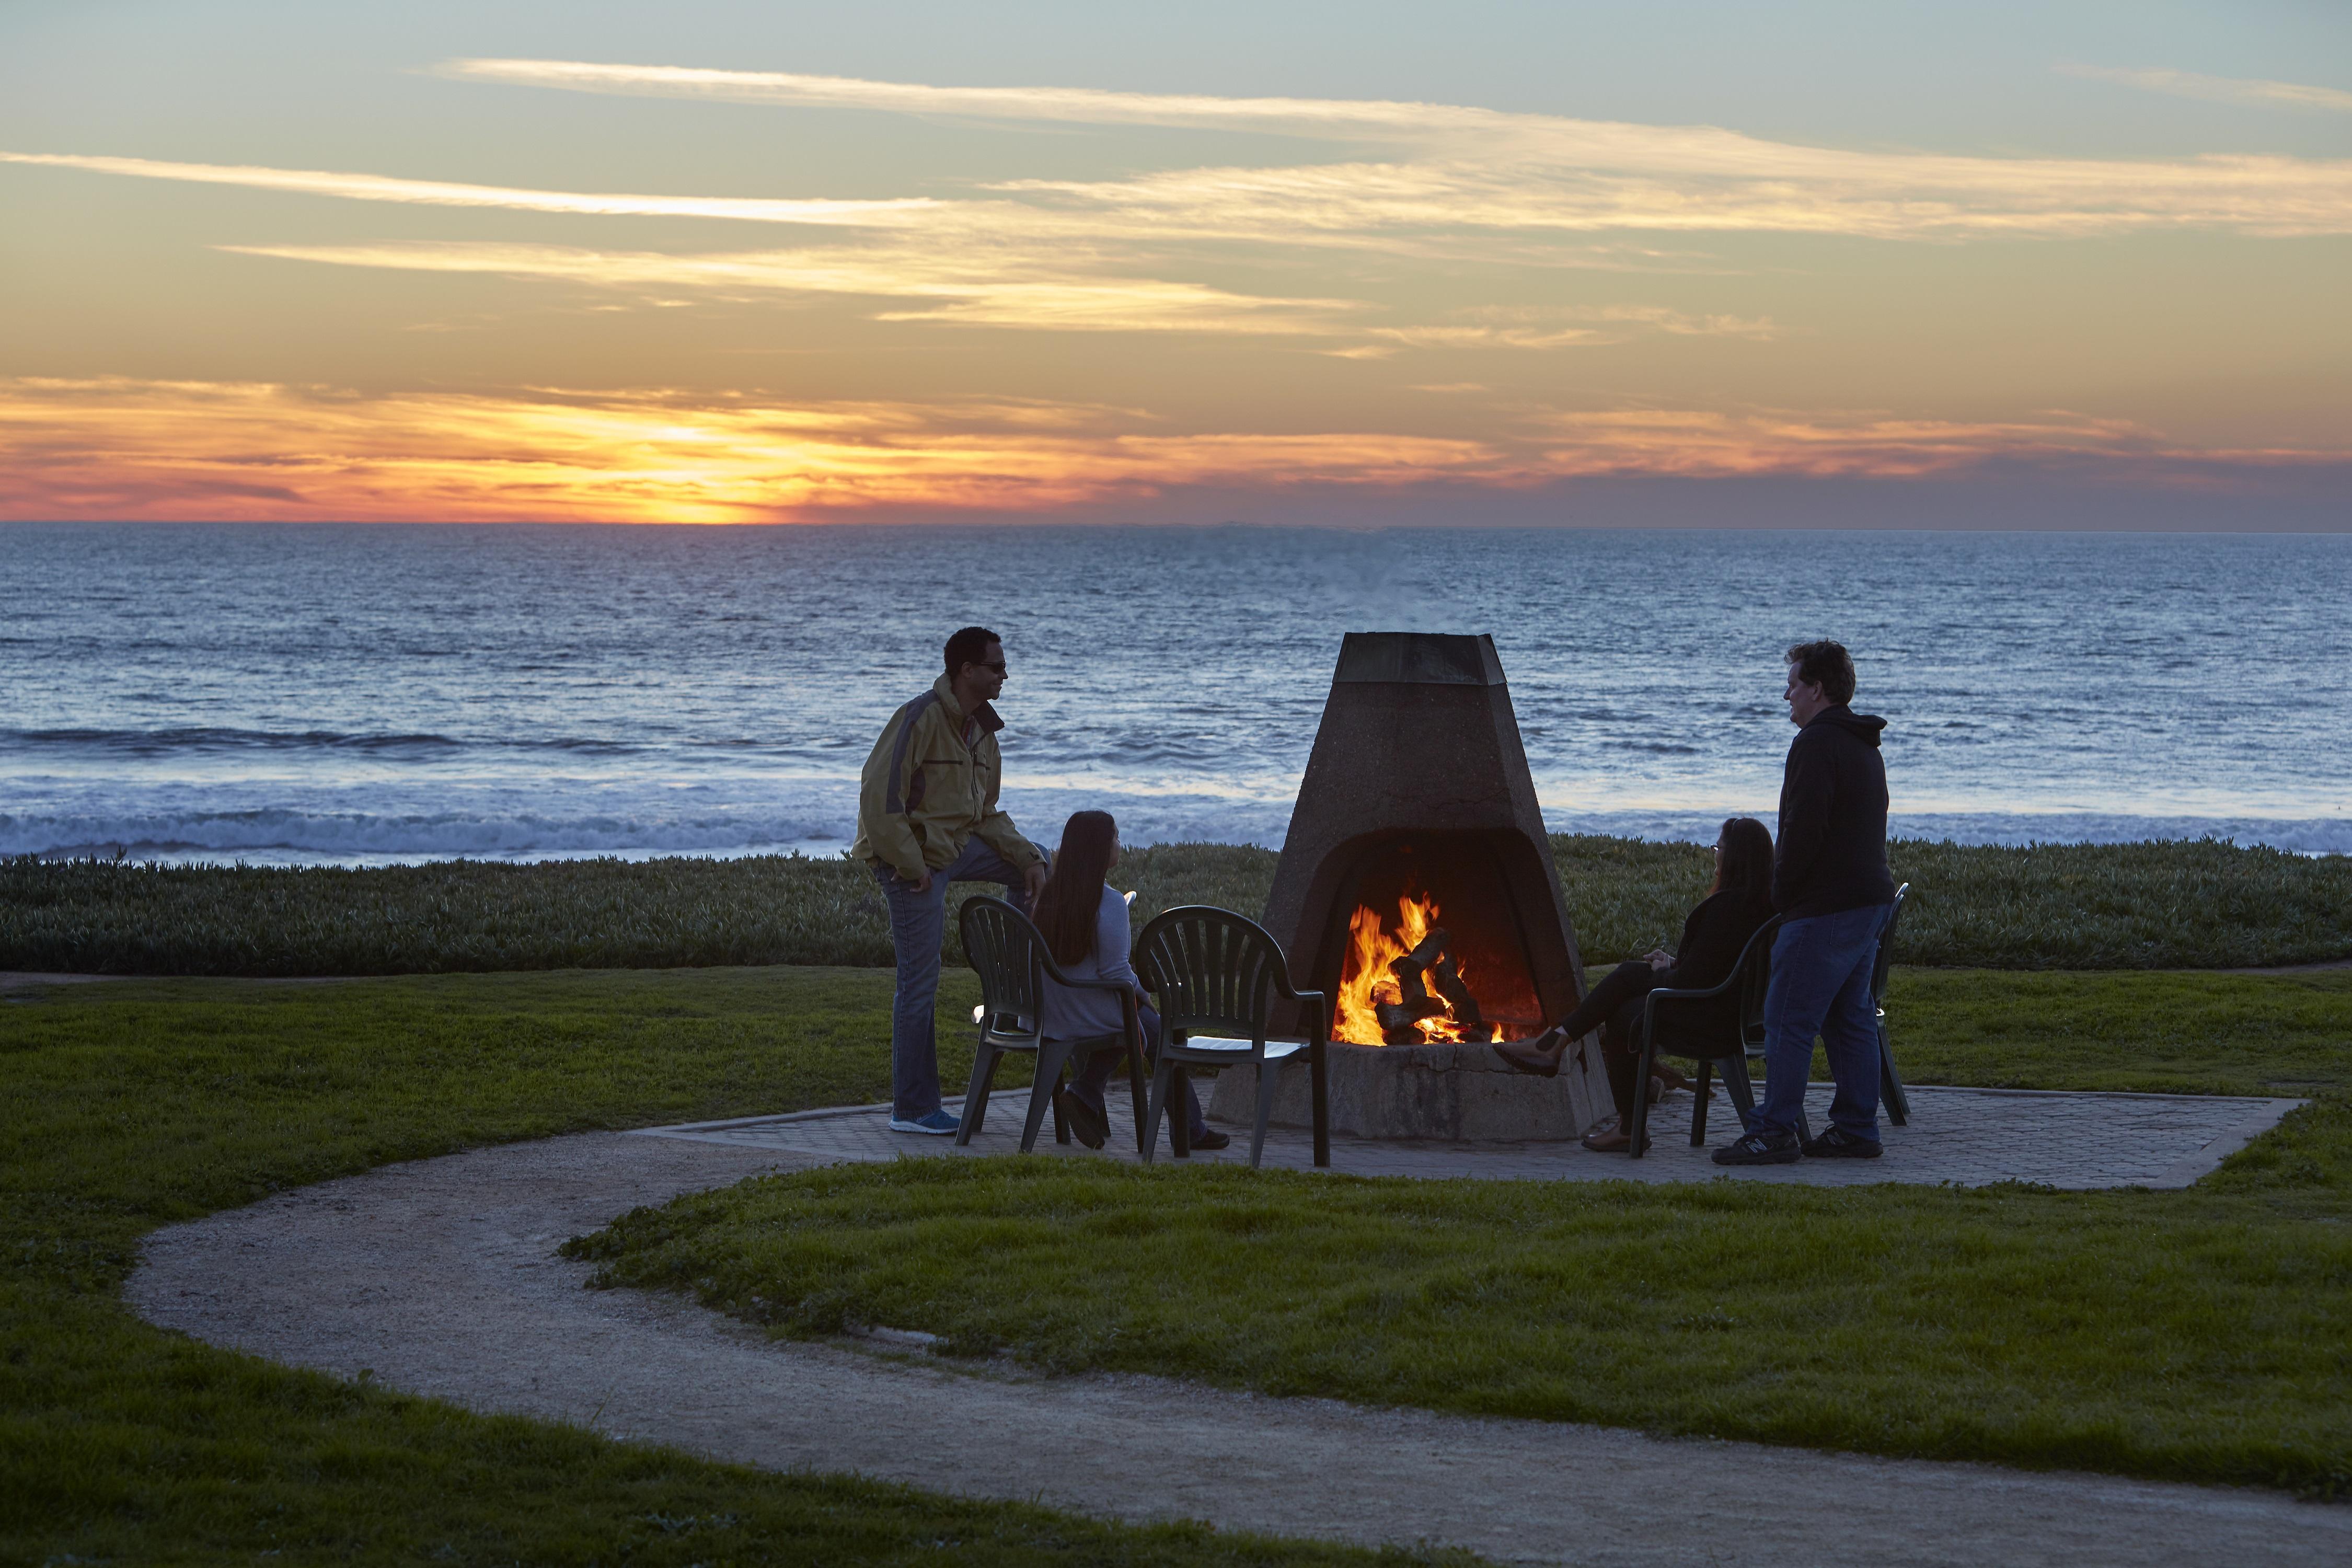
point(1211, 972)
point(1886, 960)
point(1005, 949)
point(1754, 972)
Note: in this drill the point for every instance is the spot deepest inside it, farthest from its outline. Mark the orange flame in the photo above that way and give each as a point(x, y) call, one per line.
point(1365, 980)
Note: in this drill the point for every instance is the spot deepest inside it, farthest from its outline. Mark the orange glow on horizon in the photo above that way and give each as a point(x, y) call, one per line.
point(122, 450)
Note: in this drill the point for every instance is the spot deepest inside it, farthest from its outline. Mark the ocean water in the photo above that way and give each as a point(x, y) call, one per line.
point(359, 695)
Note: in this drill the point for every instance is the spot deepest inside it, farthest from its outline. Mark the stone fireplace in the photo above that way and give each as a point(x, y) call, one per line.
point(1417, 890)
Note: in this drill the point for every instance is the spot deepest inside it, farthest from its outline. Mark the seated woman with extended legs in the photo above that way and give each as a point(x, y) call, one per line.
point(1083, 923)
point(1717, 929)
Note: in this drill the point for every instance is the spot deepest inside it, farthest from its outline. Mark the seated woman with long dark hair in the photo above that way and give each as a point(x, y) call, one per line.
point(1083, 923)
point(1712, 938)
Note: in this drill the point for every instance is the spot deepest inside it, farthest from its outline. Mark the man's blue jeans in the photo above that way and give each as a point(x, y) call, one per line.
point(918, 921)
point(1821, 985)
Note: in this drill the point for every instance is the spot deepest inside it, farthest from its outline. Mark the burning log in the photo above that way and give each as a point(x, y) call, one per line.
point(1414, 1001)
point(1398, 1018)
point(1431, 949)
point(1430, 964)
point(1457, 996)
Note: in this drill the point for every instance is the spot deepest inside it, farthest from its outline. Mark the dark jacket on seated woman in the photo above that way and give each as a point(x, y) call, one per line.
point(1713, 936)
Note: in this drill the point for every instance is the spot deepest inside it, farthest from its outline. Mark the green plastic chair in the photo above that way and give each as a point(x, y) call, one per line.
point(1011, 958)
point(1750, 979)
point(1216, 977)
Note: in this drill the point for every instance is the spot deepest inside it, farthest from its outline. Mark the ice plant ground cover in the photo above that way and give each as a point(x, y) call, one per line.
point(2179, 904)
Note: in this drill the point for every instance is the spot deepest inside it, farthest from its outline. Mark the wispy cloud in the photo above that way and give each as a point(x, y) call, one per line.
point(1525, 327)
point(1450, 180)
point(1466, 186)
point(1721, 443)
point(1085, 106)
point(114, 448)
point(1454, 167)
point(442, 193)
point(983, 287)
point(1005, 286)
point(2251, 92)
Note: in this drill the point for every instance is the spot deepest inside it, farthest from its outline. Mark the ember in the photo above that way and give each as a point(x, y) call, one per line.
point(1388, 976)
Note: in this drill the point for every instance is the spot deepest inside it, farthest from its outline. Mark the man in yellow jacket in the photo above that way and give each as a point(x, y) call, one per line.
point(927, 816)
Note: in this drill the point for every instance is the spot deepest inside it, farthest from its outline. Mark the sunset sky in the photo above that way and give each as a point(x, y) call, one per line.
point(1860, 265)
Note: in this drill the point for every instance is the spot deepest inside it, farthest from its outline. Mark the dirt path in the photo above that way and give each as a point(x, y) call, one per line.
point(439, 1276)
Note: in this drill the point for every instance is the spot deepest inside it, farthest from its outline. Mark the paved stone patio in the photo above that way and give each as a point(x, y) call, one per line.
point(1967, 1137)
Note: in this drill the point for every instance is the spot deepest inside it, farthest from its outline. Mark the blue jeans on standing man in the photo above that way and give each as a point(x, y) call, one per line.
point(918, 922)
point(1821, 985)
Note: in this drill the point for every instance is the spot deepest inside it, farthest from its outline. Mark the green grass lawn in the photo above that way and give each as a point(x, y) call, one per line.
point(2199, 1334)
point(2165, 1033)
point(127, 1106)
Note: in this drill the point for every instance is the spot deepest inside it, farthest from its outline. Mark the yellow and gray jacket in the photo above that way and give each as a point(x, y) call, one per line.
point(927, 789)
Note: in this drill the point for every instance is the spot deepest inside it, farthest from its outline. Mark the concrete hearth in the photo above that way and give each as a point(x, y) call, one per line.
point(1444, 1093)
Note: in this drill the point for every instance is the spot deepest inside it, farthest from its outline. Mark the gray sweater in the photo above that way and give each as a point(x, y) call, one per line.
point(1075, 1014)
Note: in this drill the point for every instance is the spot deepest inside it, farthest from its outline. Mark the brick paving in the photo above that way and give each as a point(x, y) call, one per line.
point(1967, 1137)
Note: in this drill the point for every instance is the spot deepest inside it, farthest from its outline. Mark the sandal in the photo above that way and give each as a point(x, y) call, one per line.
point(1607, 1138)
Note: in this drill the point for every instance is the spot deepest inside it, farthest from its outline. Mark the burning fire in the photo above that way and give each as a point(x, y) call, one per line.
point(1367, 978)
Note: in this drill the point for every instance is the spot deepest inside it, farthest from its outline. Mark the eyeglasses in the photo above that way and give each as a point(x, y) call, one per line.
point(998, 666)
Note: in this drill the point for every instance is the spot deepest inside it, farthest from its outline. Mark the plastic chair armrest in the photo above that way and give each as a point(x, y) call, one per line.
point(1120, 985)
point(1695, 994)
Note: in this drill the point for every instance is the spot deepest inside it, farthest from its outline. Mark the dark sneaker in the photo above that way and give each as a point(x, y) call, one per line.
point(1083, 1118)
point(1761, 1149)
point(938, 1123)
point(1210, 1138)
point(1837, 1143)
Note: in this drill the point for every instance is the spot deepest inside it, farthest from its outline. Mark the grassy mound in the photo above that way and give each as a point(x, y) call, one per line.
point(2137, 906)
point(2200, 1335)
point(2191, 1336)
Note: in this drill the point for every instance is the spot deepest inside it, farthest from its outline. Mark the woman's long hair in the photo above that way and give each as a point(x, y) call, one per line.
point(1746, 867)
point(1066, 909)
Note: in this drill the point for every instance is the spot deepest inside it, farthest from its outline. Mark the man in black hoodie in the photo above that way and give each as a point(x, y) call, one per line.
point(1831, 882)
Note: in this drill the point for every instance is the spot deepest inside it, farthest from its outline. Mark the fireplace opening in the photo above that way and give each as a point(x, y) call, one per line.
point(1427, 944)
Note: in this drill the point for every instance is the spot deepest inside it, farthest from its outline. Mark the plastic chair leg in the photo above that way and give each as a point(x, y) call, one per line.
point(1698, 1111)
point(1640, 1132)
point(1741, 1088)
point(1051, 1054)
point(1890, 1082)
point(1269, 1079)
point(1318, 1075)
point(1160, 1075)
point(1180, 1124)
point(975, 1094)
point(1136, 1091)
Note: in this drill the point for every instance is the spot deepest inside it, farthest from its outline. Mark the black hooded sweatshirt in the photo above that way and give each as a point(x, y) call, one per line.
point(1833, 851)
